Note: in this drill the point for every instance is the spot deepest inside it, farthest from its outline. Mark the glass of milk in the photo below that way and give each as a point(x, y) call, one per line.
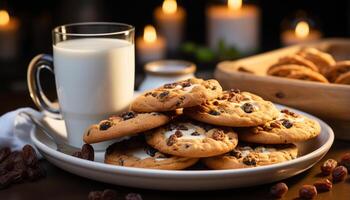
point(94, 69)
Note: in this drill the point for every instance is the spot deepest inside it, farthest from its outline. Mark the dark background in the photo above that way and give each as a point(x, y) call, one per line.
point(39, 17)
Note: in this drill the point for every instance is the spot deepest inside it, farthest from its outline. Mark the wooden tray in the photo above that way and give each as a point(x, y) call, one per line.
point(329, 101)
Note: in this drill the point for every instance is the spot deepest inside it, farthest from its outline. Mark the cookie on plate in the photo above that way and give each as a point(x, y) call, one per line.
point(289, 127)
point(248, 155)
point(234, 108)
point(180, 94)
point(294, 59)
point(126, 124)
point(136, 153)
point(322, 60)
point(338, 69)
point(294, 71)
point(192, 139)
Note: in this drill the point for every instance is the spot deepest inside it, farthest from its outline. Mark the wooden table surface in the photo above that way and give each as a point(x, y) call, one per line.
point(62, 185)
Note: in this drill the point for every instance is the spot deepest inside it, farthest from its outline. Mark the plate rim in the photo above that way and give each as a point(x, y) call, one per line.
point(102, 167)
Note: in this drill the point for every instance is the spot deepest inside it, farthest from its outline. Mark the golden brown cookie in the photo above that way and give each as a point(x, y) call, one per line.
point(322, 60)
point(289, 127)
point(192, 139)
point(294, 59)
point(234, 108)
point(180, 94)
point(338, 69)
point(249, 155)
point(126, 124)
point(343, 79)
point(293, 71)
point(136, 153)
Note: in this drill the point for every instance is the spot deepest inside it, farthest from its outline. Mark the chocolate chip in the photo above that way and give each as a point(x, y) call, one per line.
point(328, 166)
point(87, 152)
point(163, 94)
point(307, 192)
point(214, 112)
point(4, 152)
point(345, 161)
point(339, 173)
point(187, 146)
point(288, 112)
point(249, 160)
point(218, 135)
point(128, 115)
point(274, 124)
point(178, 133)
point(29, 155)
point(215, 103)
point(195, 133)
point(171, 140)
point(214, 88)
point(279, 190)
point(95, 195)
point(150, 151)
point(186, 84)
point(235, 153)
point(133, 196)
point(148, 93)
point(154, 94)
point(323, 185)
point(182, 127)
point(171, 127)
point(169, 85)
point(286, 123)
point(247, 107)
point(105, 125)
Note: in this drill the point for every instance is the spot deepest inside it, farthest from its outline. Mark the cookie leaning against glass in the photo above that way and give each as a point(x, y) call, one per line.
point(182, 94)
point(289, 127)
point(235, 109)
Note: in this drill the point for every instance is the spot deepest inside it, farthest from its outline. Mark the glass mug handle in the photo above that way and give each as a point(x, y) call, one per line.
point(38, 63)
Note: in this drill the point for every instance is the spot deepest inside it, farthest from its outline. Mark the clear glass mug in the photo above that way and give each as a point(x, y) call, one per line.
point(94, 68)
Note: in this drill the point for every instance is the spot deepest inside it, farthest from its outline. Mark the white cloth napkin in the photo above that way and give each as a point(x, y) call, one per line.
point(15, 129)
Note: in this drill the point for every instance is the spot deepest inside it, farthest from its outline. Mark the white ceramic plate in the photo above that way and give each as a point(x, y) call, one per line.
point(310, 153)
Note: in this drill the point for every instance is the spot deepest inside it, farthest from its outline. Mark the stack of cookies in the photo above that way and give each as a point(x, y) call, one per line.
point(178, 124)
point(313, 65)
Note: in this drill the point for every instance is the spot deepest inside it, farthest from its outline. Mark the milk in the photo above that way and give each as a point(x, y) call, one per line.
point(94, 78)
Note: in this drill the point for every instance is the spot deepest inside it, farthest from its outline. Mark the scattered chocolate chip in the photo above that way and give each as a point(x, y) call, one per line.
point(178, 133)
point(215, 103)
point(247, 107)
point(163, 94)
point(278, 190)
point(214, 88)
point(187, 146)
point(171, 140)
point(169, 86)
point(235, 153)
point(128, 115)
point(109, 194)
point(249, 160)
point(307, 192)
point(218, 135)
point(4, 152)
point(148, 93)
point(154, 94)
point(339, 173)
point(186, 84)
point(323, 185)
point(105, 125)
point(286, 123)
point(133, 196)
point(95, 195)
point(195, 133)
point(87, 152)
point(77, 154)
point(214, 112)
point(280, 95)
point(345, 161)
point(29, 155)
point(328, 166)
point(182, 127)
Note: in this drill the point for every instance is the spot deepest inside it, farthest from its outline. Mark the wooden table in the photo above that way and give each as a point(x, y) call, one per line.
point(62, 185)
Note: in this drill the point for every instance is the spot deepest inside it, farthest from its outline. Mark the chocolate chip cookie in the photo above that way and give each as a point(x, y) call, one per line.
point(234, 108)
point(126, 124)
point(192, 139)
point(322, 60)
point(289, 127)
point(136, 153)
point(248, 155)
point(180, 94)
point(338, 69)
point(294, 59)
